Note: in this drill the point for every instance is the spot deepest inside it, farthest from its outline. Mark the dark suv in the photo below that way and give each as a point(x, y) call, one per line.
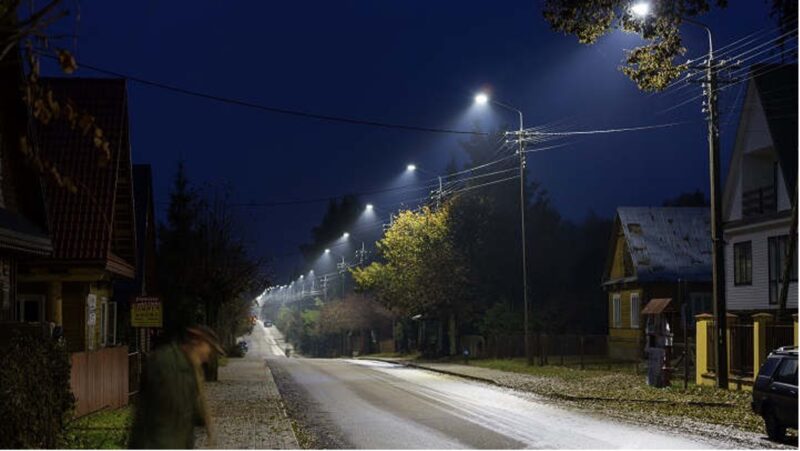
point(775, 392)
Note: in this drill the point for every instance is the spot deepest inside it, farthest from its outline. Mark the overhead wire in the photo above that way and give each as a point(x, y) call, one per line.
point(273, 109)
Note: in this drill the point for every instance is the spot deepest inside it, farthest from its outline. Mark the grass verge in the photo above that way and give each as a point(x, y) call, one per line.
point(107, 429)
point(627, 393)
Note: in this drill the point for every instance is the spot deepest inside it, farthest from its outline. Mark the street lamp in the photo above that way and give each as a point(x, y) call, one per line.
point(642, 9)
point(370, 207)
point(482, 99)
point(327, 251)
point(440, 193)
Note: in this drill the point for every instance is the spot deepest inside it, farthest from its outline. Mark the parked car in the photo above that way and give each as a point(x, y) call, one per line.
point(775, 392)
point(267, 323)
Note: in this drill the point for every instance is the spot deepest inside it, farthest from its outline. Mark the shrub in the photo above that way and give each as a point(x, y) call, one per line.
point(35, 396)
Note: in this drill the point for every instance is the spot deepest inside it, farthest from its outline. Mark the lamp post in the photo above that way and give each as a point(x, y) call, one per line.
point(642, 10)
point(482, 99)
point(440, 193)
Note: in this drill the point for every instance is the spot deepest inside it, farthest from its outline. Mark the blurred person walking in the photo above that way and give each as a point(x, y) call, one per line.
point(172, 400)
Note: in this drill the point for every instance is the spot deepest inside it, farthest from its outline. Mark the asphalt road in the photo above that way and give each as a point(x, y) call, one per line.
point(368, 404)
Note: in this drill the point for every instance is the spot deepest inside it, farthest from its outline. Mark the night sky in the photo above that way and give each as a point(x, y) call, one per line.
point(409, 62)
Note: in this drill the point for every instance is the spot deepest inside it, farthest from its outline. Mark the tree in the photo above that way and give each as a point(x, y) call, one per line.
point(28, 29)
point(339, 216)
point(655, 65)
point(652, 66)
point(178, 244)
point(695, 199)
point(423, 271)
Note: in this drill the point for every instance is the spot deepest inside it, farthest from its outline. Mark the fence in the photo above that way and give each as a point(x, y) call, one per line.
point(711, 350)
point(741, 349)
point(779, 335)
point(135, 369)
point(100, 379)
point(562, 349)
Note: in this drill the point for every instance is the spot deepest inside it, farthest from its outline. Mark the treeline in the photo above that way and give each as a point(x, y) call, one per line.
point(455, 271)
point(206, 274)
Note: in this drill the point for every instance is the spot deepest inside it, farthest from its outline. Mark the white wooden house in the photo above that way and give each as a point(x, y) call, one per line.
point(758, 195)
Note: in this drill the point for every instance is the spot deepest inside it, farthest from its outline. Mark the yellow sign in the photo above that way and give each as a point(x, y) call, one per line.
point(146, 312)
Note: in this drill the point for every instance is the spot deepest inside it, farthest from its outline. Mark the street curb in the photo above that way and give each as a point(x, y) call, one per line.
point(271, 380)
point(554, 396)
point(436, 370)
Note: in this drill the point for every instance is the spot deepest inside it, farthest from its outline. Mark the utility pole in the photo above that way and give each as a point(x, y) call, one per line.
point(361, 254)
point(342, 266)
point(522, 204)
point(710, 86)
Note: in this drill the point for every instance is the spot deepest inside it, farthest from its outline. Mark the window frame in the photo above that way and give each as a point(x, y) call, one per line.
point(616, 310)
point(742, 268)
point(637, 316)
point(776, 249)
point(777, 374)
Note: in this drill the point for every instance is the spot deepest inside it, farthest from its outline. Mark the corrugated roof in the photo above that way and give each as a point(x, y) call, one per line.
point(82, 223)
point(668, 243)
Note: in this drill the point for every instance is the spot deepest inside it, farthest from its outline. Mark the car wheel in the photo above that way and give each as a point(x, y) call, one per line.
point(775, 431)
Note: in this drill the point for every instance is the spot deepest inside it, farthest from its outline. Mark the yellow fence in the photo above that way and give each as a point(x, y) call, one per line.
point(766, 336)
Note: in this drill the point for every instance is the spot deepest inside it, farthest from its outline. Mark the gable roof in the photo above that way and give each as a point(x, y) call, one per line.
point(91, 225)
point(777, 88)
point(667, 243)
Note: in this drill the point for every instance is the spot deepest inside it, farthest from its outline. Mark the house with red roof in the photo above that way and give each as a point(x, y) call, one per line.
point(92, 229)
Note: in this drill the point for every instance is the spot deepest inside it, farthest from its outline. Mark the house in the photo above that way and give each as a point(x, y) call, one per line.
point(23, 219)
point(759, 194)
point(759, 191)
point(145, 284)
point(93, 237)
point(655, 253)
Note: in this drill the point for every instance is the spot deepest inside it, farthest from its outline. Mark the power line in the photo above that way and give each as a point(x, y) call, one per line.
point(604, 131)
point(273, 109)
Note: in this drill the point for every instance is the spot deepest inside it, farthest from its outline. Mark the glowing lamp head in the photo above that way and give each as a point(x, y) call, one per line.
point(481, 98)
point(370, 207)
point(411, 168)
point(641, 9)
point(345, 235)
point(327, 251)
point(301, 276)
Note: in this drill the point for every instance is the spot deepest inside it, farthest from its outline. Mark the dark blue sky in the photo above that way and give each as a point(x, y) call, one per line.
point(409, 62)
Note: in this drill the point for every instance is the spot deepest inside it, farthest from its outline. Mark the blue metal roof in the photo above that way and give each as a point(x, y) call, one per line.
point(668, 243)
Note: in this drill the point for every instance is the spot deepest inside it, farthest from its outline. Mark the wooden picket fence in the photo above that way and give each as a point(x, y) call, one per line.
point(100, 379)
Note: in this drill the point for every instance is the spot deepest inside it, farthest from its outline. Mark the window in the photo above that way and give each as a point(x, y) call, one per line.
point(787, 372)
point(777, 247)
point(743, 263)
point(616, 310)
point(635, 310)
point(31, 309)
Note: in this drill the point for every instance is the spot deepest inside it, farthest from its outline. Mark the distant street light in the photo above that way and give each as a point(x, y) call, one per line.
point(482, 99)
point(327, 251)
point(440, 193)
point(370, 207)
point(345, 235)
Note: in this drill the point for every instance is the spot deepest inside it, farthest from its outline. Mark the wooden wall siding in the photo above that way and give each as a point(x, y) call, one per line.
point(99, 379)
point(73, 304)
point(756, 295)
